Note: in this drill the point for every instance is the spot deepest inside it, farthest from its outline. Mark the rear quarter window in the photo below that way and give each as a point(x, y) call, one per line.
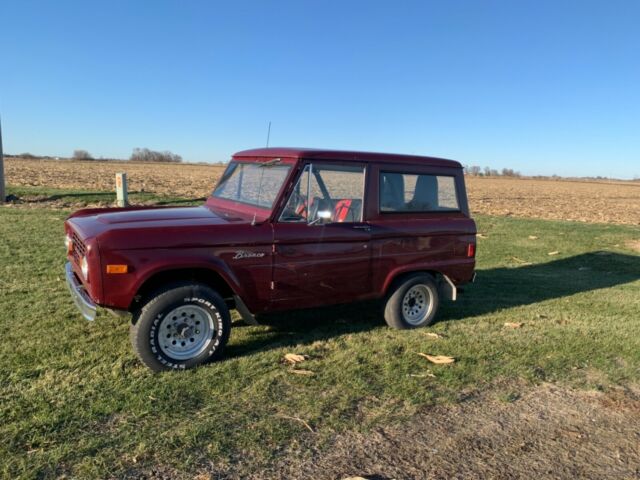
point(410, 192)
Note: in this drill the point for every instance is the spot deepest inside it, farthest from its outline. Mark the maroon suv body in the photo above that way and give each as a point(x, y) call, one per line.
point(283, 229)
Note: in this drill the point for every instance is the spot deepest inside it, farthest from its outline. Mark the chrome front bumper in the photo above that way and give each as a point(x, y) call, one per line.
point(79, 294)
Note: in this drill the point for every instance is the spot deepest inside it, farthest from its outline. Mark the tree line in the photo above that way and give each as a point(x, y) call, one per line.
point(138, 155)
point(476, 171)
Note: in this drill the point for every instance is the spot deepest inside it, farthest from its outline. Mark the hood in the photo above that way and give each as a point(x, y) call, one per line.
point(155, 227)
point(166, 216)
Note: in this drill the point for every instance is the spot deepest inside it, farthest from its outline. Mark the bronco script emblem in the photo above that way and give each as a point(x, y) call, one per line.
point(244, 254)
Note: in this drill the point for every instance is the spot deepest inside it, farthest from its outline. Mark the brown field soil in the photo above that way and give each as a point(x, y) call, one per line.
point(188, 180)
point(544, 432)
point(547, 432)
point(585, 201)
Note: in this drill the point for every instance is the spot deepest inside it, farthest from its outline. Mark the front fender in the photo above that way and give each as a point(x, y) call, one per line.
point(120, 289)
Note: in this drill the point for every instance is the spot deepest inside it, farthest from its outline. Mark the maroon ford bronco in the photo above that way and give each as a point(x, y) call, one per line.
point(283, 229)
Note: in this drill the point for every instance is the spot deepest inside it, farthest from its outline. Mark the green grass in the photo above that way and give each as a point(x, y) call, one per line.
point(75, 401)
point(79, 198)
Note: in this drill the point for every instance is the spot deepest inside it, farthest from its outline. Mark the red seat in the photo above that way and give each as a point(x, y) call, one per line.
point(341, 210)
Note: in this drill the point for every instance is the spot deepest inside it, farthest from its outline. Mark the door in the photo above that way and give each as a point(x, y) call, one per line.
point(321, 243)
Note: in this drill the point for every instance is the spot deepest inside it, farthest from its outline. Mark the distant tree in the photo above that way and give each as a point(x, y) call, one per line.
point(493, 172)
point(27, 155)
point(509, 172)
point(487, 171)
point(474, 170)
point(146, 155)
point(82, 155)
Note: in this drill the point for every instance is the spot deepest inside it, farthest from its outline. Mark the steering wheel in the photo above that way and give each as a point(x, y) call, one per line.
point(301, 204)
point(296, 208)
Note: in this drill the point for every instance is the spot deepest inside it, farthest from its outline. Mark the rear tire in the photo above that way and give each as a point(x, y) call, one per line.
point(180, 326)
point(412, 303)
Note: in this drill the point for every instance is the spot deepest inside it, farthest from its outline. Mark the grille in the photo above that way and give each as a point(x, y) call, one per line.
point(79, 248)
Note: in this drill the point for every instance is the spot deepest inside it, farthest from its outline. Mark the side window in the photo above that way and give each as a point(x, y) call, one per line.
point(296, 209)
point(326, 194)
point(406, 192)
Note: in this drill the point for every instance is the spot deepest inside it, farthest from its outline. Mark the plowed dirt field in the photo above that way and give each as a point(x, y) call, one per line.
point(586, 201)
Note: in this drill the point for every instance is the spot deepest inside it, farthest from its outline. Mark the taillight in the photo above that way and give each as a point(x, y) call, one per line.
point(471, 250)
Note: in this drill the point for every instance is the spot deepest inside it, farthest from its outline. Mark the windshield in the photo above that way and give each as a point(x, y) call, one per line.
point(252, 183)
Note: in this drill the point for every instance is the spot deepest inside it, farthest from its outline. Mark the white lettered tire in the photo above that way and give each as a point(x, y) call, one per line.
point(180, 326)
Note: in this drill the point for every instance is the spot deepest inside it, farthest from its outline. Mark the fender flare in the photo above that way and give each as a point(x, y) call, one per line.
point(218, 267)
point(446, 286)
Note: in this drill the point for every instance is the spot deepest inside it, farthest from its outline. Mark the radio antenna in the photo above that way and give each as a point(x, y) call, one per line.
point(268, 133)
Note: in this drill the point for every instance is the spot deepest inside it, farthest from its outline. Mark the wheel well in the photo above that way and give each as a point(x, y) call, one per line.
point(196, 275)
point(437, 276)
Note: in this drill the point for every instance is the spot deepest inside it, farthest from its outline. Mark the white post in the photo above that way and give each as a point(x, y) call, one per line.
point(3, 194)
point(122, 197)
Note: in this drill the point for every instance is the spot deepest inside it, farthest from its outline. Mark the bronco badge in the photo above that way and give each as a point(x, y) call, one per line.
point(244, 254)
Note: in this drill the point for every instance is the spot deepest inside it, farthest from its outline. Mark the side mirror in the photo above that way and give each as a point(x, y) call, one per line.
point(321, 216)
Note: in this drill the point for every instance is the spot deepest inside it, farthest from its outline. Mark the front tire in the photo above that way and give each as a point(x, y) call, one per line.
point(180, 326)
point(412, 303)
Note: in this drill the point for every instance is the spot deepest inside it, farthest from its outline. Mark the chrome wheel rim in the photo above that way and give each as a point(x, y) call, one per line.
point(185, 332)
point(417, 305)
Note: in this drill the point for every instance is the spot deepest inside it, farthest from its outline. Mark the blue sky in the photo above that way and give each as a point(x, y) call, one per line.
point(541, 86)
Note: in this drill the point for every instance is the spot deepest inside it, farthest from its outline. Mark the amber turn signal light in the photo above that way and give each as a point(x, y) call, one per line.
point(117, 268)
point(471, 250)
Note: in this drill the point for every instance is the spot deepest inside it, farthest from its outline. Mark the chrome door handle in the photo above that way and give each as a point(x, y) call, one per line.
point(366, 228)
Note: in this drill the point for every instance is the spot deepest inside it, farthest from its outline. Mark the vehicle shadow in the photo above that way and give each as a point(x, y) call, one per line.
point(500, 288)
point(494, 290)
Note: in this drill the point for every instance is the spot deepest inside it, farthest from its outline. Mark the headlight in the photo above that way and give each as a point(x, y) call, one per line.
point(84, 267)
point(68, 242)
